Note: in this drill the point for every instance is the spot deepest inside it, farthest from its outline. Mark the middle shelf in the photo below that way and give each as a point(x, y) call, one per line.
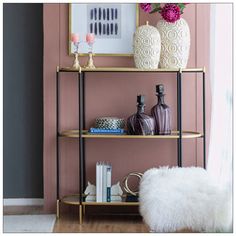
point(173, 135)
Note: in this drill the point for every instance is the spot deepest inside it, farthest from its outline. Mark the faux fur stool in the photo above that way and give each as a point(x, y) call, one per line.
point(172, 199)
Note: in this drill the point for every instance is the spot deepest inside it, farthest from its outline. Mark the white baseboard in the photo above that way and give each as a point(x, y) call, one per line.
point(23, 201)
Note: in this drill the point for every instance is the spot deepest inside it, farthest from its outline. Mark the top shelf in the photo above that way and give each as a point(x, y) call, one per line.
point(128, 69)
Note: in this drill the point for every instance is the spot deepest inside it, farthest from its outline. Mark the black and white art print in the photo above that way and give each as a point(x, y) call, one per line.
point(113, 24)
point(104, 21)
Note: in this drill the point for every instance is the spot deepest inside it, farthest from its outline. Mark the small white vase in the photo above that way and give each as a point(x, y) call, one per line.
point(147, 47)
point(175, 43)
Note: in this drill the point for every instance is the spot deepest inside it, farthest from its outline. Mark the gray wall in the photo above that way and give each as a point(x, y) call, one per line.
point(23, 100)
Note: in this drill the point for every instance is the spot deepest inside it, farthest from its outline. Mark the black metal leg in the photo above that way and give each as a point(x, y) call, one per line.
point(204, 120)
point(84, 127)
point(80, 82)
point(57, 127)
point(179, 117)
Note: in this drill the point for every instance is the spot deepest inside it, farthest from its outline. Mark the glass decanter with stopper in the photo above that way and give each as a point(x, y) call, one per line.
point(140, 123)
point(161, 113)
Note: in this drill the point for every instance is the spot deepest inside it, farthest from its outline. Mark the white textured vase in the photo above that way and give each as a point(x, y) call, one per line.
point(147, 47)
point(175, 43)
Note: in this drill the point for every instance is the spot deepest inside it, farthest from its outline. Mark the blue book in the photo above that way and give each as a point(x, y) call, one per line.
point(108, 183)
point(106, 131)
point(108, 194)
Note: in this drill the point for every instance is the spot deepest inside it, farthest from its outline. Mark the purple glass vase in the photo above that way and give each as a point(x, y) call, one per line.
point(140, 123)
point(161, 113)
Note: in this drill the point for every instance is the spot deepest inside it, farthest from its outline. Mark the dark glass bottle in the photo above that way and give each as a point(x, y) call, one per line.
point(140, 123)
point(161, 113)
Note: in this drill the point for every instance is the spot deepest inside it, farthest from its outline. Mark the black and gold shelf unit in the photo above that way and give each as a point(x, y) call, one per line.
point(81, 134)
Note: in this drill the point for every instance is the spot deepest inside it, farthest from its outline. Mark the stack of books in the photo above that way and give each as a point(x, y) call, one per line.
point(103, 182)
point(106, 131)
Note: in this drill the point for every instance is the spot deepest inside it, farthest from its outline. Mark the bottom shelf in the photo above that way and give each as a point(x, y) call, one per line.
point(74, 200)
point(110, 203)
point(71, 199)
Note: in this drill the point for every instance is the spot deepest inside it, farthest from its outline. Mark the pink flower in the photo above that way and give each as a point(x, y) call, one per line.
point(147, 7)
point(170, 12)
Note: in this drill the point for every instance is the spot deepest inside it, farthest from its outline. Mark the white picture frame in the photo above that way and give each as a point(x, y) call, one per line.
point(115, 24)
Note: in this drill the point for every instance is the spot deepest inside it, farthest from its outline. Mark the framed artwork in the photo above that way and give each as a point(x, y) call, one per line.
point(112, 24)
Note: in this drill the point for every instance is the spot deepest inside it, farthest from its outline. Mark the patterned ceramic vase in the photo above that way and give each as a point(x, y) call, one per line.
point(140, 123)
point(147, 47)
point(161, 113)
point(175, 43)
point(109, 123)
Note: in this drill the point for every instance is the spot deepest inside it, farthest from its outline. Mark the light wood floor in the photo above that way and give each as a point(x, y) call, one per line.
point(69, 223)
point(105, 224)
point(101, 224)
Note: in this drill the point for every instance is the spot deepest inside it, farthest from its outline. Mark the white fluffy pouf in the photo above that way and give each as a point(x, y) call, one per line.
point(173, 199)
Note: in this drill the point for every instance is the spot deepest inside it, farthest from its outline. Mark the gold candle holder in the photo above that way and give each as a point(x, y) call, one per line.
point(76, 64)
point(90, 64)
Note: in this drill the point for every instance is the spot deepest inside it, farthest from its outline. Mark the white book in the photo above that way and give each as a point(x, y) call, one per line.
point(97, 182)
point(100, 182)
point(104, 182)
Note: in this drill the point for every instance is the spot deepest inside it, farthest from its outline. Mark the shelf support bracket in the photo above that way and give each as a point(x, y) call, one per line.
point(80, 215)
point(58, 208)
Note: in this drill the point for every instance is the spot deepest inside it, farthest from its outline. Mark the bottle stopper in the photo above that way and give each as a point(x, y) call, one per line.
point(140, 100)
point(160, 89)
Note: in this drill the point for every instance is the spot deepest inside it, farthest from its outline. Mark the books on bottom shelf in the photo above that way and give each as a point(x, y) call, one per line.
point(103, 182)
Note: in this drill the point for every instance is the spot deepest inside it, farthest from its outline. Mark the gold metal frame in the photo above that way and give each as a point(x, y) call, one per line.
point(82, 205)
point(99, 54)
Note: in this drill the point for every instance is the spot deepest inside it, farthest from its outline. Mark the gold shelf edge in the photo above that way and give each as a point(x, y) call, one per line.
point(69, 202)
point(185, 135)
point(110, 203)
point(128, 69)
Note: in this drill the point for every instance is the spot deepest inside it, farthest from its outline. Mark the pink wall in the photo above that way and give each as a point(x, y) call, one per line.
point(116, 94)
